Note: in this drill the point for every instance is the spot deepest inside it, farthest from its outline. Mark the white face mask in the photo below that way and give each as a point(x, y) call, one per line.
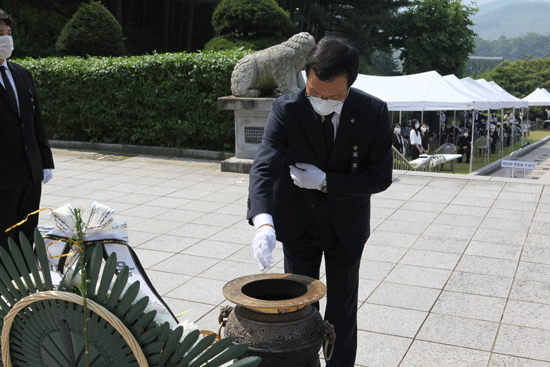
point(324, 107)
point(423, 129)
point(6, 47)
point(466, 135)
point(397, 130)
point(416, 126)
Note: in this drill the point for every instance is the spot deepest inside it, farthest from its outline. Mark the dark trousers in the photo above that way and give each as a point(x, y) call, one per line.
point(303, 256)
point(15, 205)
point(461, 152)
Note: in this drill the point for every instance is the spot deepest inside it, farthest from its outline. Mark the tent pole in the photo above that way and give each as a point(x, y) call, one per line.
point(472, 141)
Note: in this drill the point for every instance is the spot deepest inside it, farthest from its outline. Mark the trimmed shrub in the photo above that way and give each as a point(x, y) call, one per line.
point(167, 100)
point(251, 19)
point(226, 43)
point(93, 31)
point(223, 43)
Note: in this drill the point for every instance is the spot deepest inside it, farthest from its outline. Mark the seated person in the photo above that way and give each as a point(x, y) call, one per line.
point(453, 133)
point(464, 146)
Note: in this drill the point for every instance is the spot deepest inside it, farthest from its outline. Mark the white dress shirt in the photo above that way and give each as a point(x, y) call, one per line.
point(416, 138)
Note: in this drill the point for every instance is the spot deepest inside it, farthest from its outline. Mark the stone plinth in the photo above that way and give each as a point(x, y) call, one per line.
point(250, 118)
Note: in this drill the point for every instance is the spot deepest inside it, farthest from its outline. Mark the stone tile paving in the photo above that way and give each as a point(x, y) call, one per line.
point(456, 271)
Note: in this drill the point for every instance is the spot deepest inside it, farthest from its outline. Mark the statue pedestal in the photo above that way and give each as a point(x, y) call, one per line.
point(250, 118)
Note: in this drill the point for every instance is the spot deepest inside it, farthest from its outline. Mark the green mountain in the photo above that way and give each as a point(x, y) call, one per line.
point(512, 19)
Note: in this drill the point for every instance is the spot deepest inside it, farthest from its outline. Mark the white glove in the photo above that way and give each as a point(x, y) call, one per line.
point(307, 176)
point(48, 174)
point(262, 246)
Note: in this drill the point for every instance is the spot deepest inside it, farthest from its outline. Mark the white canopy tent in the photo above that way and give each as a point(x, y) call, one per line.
point(430, 91)
point(513, 102)
point(470, 87)
point(417, 92)
point(539, 97)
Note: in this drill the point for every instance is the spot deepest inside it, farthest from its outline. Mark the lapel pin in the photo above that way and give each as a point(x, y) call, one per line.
point(355, 147)
point(352, 121)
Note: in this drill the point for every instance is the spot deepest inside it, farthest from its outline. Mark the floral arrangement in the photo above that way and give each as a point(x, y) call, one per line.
point(436, 160)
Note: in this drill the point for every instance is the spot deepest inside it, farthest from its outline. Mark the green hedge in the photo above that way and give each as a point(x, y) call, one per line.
point(167, 100)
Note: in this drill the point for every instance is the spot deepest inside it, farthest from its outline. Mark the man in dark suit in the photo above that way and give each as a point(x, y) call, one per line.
point(325, 150)
point(25, 156)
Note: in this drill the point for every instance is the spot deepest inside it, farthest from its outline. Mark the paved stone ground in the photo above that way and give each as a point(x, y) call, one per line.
point(456, 271)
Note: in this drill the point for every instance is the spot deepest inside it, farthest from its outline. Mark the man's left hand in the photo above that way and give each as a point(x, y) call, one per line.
point(307, 176)
point(47, 175)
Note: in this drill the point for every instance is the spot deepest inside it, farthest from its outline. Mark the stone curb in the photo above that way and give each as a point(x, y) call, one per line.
point(142, 150)
point(518, 153)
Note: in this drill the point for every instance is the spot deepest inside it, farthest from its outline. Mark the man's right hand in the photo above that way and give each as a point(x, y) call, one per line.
point(262, 246)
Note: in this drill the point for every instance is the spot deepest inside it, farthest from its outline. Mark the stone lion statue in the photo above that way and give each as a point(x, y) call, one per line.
point(279, 67)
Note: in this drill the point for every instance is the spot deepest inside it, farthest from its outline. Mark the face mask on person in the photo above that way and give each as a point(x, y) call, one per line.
point(325, 107)
point(6, 47)
point(397, 130)
point(423, 129)
point(465, 135)
point(416, 126)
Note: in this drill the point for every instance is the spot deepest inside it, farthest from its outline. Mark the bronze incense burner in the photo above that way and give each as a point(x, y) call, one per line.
point(275, 315)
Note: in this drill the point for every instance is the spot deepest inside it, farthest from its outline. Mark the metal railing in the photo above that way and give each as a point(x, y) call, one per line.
point(401, 163)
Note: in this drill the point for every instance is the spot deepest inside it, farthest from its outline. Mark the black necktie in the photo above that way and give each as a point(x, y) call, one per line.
point(9, 88)
point(329, 131)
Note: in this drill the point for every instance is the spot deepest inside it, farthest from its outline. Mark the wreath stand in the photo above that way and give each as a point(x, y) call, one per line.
point(44, 327)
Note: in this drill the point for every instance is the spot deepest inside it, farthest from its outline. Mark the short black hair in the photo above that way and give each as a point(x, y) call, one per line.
point(5, 18)
point(332, 57)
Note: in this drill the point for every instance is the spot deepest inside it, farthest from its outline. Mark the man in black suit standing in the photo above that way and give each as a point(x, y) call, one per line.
point(324, 151)
point(25, 156)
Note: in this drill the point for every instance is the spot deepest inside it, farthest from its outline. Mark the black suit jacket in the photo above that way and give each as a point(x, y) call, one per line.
point(24, 148)
point(294, 133)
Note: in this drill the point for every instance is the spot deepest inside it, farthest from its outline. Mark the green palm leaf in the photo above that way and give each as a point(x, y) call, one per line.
point(50, 332)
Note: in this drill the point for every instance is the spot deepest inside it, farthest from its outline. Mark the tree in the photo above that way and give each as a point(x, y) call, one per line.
point(435, 35)
point(251, 19)
point(521, 77)
point(530, 45)
point(367, 24)
point(92, 30)
point(192, 4)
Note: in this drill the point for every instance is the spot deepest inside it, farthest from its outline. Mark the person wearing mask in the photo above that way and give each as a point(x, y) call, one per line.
point(495, 138)
point(397, 140)
point(425, 136)
point(325, 150)
point(464, 146)
point(416, 140)
point(469, 124)
point(507, 133)
point(27, 160)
